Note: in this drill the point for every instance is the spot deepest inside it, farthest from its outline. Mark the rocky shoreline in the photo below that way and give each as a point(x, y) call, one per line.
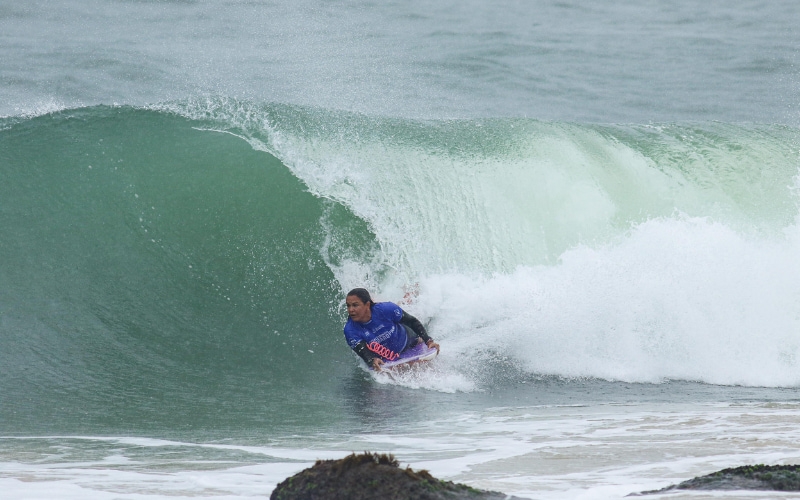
point(750, 477)
point(368, 476)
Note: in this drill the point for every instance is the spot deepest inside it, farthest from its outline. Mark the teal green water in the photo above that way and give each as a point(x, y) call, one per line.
point(171, 274)
point(157, 275)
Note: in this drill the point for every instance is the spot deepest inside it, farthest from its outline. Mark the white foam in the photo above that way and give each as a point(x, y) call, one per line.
point(437, 375)
point(678, 298)
point(558, 452)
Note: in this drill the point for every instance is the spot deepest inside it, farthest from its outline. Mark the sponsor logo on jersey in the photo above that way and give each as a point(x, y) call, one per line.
point(380, 338)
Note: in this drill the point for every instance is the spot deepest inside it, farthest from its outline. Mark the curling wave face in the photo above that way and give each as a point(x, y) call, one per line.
point(195, 252)
point(635, 253)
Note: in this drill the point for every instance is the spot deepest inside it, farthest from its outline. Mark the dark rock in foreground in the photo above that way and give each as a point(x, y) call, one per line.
point(753, 477)
point(369, 476)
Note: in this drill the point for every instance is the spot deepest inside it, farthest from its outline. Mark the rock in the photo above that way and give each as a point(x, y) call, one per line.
point(752, 477)
point(369, 476)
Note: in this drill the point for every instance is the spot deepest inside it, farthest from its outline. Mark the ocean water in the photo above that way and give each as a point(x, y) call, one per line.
point(595, 207)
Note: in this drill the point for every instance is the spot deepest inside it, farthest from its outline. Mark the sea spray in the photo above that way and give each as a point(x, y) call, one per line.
point(680, 298)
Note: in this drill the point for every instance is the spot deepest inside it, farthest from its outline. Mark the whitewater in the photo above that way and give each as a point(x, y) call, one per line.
point(594, 209)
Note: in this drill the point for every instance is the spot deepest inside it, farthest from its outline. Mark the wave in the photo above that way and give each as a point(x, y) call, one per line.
point(197, 251)
point(146, 261)
point(628, 252)
point(490, 195)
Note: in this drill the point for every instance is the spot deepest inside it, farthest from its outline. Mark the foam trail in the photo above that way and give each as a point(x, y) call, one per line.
point(550, 452)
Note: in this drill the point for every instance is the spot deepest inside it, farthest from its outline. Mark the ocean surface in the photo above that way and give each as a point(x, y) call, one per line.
point(594, 206)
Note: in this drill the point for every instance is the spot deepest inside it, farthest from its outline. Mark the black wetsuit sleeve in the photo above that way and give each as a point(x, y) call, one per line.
point(366, 354)
point(415, 325)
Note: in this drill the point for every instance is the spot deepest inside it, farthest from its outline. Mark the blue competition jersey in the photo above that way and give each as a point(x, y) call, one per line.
point(384, 328)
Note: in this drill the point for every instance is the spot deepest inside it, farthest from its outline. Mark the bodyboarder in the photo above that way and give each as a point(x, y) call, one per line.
point(378, 331)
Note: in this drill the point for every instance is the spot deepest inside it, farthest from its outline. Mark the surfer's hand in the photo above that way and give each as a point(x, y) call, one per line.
point(432, 344)
point(376, 364)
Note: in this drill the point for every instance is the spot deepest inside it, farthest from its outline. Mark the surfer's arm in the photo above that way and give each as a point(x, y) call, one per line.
point(415, 325)
point(366, 354)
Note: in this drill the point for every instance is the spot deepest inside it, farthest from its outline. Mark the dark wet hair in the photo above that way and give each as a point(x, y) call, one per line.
point(361, 293)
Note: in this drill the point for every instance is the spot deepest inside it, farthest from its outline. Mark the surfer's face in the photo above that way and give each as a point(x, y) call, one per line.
point(357, 310)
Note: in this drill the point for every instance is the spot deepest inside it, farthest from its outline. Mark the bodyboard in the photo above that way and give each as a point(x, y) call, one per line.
point(419, 352)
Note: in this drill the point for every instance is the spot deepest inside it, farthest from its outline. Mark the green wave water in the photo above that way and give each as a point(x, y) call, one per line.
point(182, 267)
point(149, 265)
